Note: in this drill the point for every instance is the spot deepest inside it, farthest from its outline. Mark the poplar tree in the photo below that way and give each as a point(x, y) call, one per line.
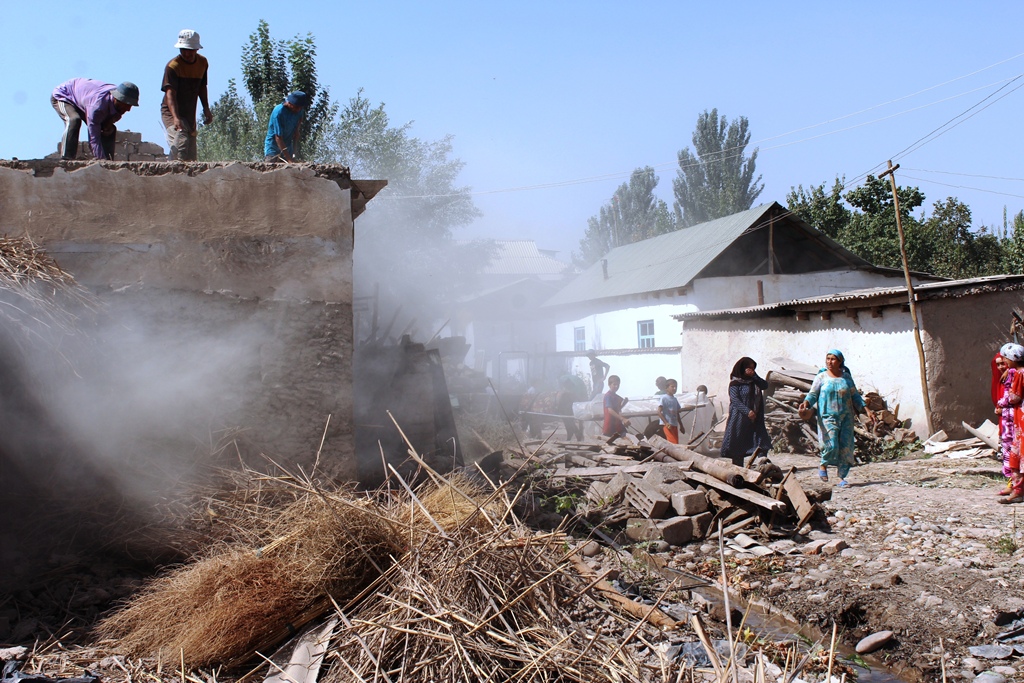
point(716, 179)
point(632, 214)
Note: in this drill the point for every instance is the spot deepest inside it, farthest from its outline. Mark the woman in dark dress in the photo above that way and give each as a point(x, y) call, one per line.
point(745, 429)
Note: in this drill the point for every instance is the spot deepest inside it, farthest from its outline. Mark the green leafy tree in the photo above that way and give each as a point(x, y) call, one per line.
point(270, 70)
point(822, 208)
point(1013, 246)
point(632, 214)
point(871, 232)
point(716, 179)
point(235, 133)
point(957, 251)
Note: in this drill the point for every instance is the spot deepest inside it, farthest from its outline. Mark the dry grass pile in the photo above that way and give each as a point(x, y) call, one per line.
point(243, 598)
point(477, 604)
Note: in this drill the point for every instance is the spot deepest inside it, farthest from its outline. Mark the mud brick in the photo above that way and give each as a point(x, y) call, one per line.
point(641, 529)
point(646, 499)
point(677, 530)
point(702, 524)
point(689, 503)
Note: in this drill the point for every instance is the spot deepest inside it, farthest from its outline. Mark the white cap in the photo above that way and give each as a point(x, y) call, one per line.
point(188, 39)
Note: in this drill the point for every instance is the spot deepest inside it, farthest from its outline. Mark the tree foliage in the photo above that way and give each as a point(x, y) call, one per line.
point(270, 70)
point(716, 179)
point(943, 243)
point(632, 214)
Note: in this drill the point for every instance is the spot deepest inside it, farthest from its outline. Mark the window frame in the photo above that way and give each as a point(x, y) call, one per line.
point(644, 341)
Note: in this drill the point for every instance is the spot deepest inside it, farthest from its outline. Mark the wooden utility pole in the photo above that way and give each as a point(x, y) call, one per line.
point(891, 172)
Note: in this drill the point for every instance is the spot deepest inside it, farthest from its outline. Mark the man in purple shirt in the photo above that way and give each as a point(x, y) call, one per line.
point(100, 105)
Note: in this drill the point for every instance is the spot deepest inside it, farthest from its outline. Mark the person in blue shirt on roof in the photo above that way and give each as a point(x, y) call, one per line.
point(283, 129)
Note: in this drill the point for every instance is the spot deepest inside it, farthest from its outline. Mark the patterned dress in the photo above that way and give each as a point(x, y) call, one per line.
point(837, 402)
point(1006, 427)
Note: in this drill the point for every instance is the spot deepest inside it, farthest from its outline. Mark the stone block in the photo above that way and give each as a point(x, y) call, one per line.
point(601, 493)
point(677, 530)
point(664, 473)
point(702, 524)
point(689, 503)
point(128, 136)
point(150, 148)
point(668, 488)
point(834, 547)
point(642, 529)
point(814, 547)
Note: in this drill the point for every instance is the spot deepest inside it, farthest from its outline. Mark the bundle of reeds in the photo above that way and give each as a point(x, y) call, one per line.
point(473, 604)
point(243, 598)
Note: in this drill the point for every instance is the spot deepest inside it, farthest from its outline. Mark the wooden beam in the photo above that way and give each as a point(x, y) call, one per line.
point(758, 499)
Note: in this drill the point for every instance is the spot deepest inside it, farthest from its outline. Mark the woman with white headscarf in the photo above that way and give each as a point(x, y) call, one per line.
point(1010, 356)
point(1013, 356)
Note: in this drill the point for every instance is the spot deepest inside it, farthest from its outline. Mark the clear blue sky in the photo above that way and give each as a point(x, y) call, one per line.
point(575, 95)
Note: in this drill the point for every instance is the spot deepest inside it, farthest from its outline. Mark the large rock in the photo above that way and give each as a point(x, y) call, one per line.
point(874, 642)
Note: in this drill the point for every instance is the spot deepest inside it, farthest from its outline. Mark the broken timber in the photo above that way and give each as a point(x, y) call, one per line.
point(758, 499)
point(723, 471)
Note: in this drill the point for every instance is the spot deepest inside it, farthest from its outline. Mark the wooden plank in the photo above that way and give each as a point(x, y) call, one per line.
point(758, 499)
point(782, 378)
point(589, 472)
point(652, 614)
point(798, 499)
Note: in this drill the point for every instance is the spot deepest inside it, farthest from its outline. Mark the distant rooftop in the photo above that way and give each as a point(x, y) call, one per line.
point(523, 257)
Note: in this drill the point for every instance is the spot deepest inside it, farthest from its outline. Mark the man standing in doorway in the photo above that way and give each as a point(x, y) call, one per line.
point(598, 371)
point(282, 141)
point(184, 85)
point(97, 103)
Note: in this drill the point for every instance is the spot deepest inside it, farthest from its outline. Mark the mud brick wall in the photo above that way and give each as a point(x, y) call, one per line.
point(240, 273)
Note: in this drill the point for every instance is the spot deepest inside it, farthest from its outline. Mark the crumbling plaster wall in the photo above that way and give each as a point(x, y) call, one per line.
point(190, 249)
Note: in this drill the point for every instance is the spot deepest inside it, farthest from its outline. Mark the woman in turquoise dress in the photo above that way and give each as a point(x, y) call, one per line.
point(836, 401)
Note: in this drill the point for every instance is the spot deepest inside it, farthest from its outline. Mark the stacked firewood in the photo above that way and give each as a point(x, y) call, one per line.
point(653, 490)
point(787, 389)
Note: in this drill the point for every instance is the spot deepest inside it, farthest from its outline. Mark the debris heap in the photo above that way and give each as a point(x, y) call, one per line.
point(787, 389)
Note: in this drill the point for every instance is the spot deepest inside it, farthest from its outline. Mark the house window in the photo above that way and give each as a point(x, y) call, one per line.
point(645, 334)
point(579, 339)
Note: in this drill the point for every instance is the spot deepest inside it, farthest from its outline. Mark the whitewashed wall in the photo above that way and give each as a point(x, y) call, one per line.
point(880, 352)
point(716, 293)
point(637, 371)
point(617, 329)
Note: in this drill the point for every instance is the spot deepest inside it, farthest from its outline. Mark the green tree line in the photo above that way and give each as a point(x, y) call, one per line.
point(405, 238)
point(943, 243)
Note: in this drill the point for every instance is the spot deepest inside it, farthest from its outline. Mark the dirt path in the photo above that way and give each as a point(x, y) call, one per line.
point(931, 555)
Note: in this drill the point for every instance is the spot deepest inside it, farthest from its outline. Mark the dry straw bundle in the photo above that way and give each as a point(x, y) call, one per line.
point(241, 598)
point(479, 597)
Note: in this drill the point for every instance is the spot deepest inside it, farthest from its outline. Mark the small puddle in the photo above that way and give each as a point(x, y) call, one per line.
point(774, 625)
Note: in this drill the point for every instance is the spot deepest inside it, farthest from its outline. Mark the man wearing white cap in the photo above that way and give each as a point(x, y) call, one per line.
point(184, 84)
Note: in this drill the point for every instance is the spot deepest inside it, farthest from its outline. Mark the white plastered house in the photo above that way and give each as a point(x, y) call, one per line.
point(624, 305)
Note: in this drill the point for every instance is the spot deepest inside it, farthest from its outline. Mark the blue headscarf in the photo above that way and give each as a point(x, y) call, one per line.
point(842, 361)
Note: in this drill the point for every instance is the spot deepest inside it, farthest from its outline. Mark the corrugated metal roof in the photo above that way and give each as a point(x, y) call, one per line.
point(660, 263)
point(522, 257)
point(921, 291)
